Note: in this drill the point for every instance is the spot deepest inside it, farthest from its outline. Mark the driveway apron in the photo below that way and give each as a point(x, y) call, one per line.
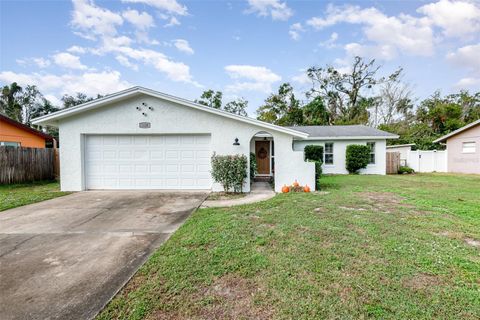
point(65, 258)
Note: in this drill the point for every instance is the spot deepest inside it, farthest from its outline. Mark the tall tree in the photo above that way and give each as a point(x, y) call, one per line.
point(79, 98)
point(10, 103)
point(343, 91)
point(315, 113)
point(32, 102)
point(238, 106)
point(281, 108)
point(441, 114)
point(470, 105)
point(211, 99)
point(394, 103)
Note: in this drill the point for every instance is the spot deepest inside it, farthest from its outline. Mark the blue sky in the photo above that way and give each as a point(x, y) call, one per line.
point(243, 48)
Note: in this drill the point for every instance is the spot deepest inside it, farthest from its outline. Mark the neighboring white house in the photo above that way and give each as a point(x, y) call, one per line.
point(335, 140)
point(143, 139)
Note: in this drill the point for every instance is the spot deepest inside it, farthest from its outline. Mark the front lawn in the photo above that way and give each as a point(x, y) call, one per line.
point(404, 247)
point(17, 195)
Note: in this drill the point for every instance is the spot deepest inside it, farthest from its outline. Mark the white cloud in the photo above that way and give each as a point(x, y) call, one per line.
point(295, 30)
point(93, 21)
point(456, 18)
point(56, 101)
point(90, 83)
point(403, 32)
point(331, 42)
point(68, 60)
point(467, 56)
point(274, 8)
point(144, 38)
point(77, 49)
point(302, 78)
point(176, 71)
point(171, 6)
point(468, 83)
point(183, 46)
point(126, 63)
point(100, 25)
point(141, 20)
point(251, 78)
point(39, 62)
point(384, 52)
point(172, 22)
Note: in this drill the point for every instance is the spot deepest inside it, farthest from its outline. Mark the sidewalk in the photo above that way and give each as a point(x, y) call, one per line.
point(260, 191)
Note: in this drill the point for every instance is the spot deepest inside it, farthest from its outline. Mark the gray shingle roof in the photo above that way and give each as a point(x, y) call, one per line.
point(343, 131)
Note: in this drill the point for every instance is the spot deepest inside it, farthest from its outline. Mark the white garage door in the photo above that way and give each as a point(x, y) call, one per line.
point(147, 162)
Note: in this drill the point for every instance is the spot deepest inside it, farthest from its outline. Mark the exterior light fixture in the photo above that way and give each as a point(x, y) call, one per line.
point(236, 143)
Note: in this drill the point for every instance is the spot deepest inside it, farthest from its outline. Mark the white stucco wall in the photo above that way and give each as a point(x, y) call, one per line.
point(172, 118)
point(339, 151)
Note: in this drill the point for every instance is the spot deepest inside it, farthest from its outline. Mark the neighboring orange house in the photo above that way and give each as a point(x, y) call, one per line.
point(13, 133)
point(463, 149)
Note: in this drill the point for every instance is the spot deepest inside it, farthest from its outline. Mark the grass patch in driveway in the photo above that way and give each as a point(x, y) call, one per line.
point(16, 195)
point(372, 247)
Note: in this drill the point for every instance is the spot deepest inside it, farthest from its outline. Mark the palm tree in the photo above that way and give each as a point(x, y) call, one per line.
point(9, 101)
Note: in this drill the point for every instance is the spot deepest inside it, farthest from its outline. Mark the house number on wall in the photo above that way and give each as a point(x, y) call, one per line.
point(144, 125)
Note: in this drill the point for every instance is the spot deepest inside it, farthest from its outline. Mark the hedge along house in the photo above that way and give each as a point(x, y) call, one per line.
point(143, 139)
point(335, 140)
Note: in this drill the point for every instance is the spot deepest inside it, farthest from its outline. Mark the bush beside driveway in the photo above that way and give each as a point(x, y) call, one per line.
point(404, 246)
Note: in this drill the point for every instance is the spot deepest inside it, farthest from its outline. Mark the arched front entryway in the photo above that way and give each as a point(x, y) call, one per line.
point(262, 150)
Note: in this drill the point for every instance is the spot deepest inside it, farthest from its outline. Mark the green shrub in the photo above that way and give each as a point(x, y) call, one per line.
point(357, 157)
point(313, 152)
point(253, 166)
point(405, 170)
point(230, 171)
point(318, 174)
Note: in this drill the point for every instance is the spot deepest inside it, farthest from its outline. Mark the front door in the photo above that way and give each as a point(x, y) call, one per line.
point(262, 151)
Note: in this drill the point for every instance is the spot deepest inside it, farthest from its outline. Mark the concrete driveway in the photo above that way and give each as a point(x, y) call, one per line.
point(66, 258)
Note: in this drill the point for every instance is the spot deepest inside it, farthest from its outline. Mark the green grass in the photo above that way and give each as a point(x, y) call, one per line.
point(17, 195)
point(382, 247)
point(225, 196)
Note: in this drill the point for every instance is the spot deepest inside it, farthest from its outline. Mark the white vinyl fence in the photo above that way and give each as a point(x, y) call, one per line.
point(427, 161)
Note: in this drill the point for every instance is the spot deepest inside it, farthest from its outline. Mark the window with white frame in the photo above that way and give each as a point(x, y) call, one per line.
point(371, 146)
point(328, 153)
point(469, 147)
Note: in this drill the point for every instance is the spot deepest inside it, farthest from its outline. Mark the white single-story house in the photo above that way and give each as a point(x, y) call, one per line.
point(335, 140)
point(463, 149)
point(143, 139)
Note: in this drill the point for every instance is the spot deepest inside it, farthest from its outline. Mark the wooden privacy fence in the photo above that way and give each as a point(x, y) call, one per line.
point(28, 164)
point(393, 162)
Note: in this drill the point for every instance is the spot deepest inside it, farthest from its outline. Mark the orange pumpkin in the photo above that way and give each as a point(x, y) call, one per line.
point(306, 188)
point(285, 189)
point(296, 184)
